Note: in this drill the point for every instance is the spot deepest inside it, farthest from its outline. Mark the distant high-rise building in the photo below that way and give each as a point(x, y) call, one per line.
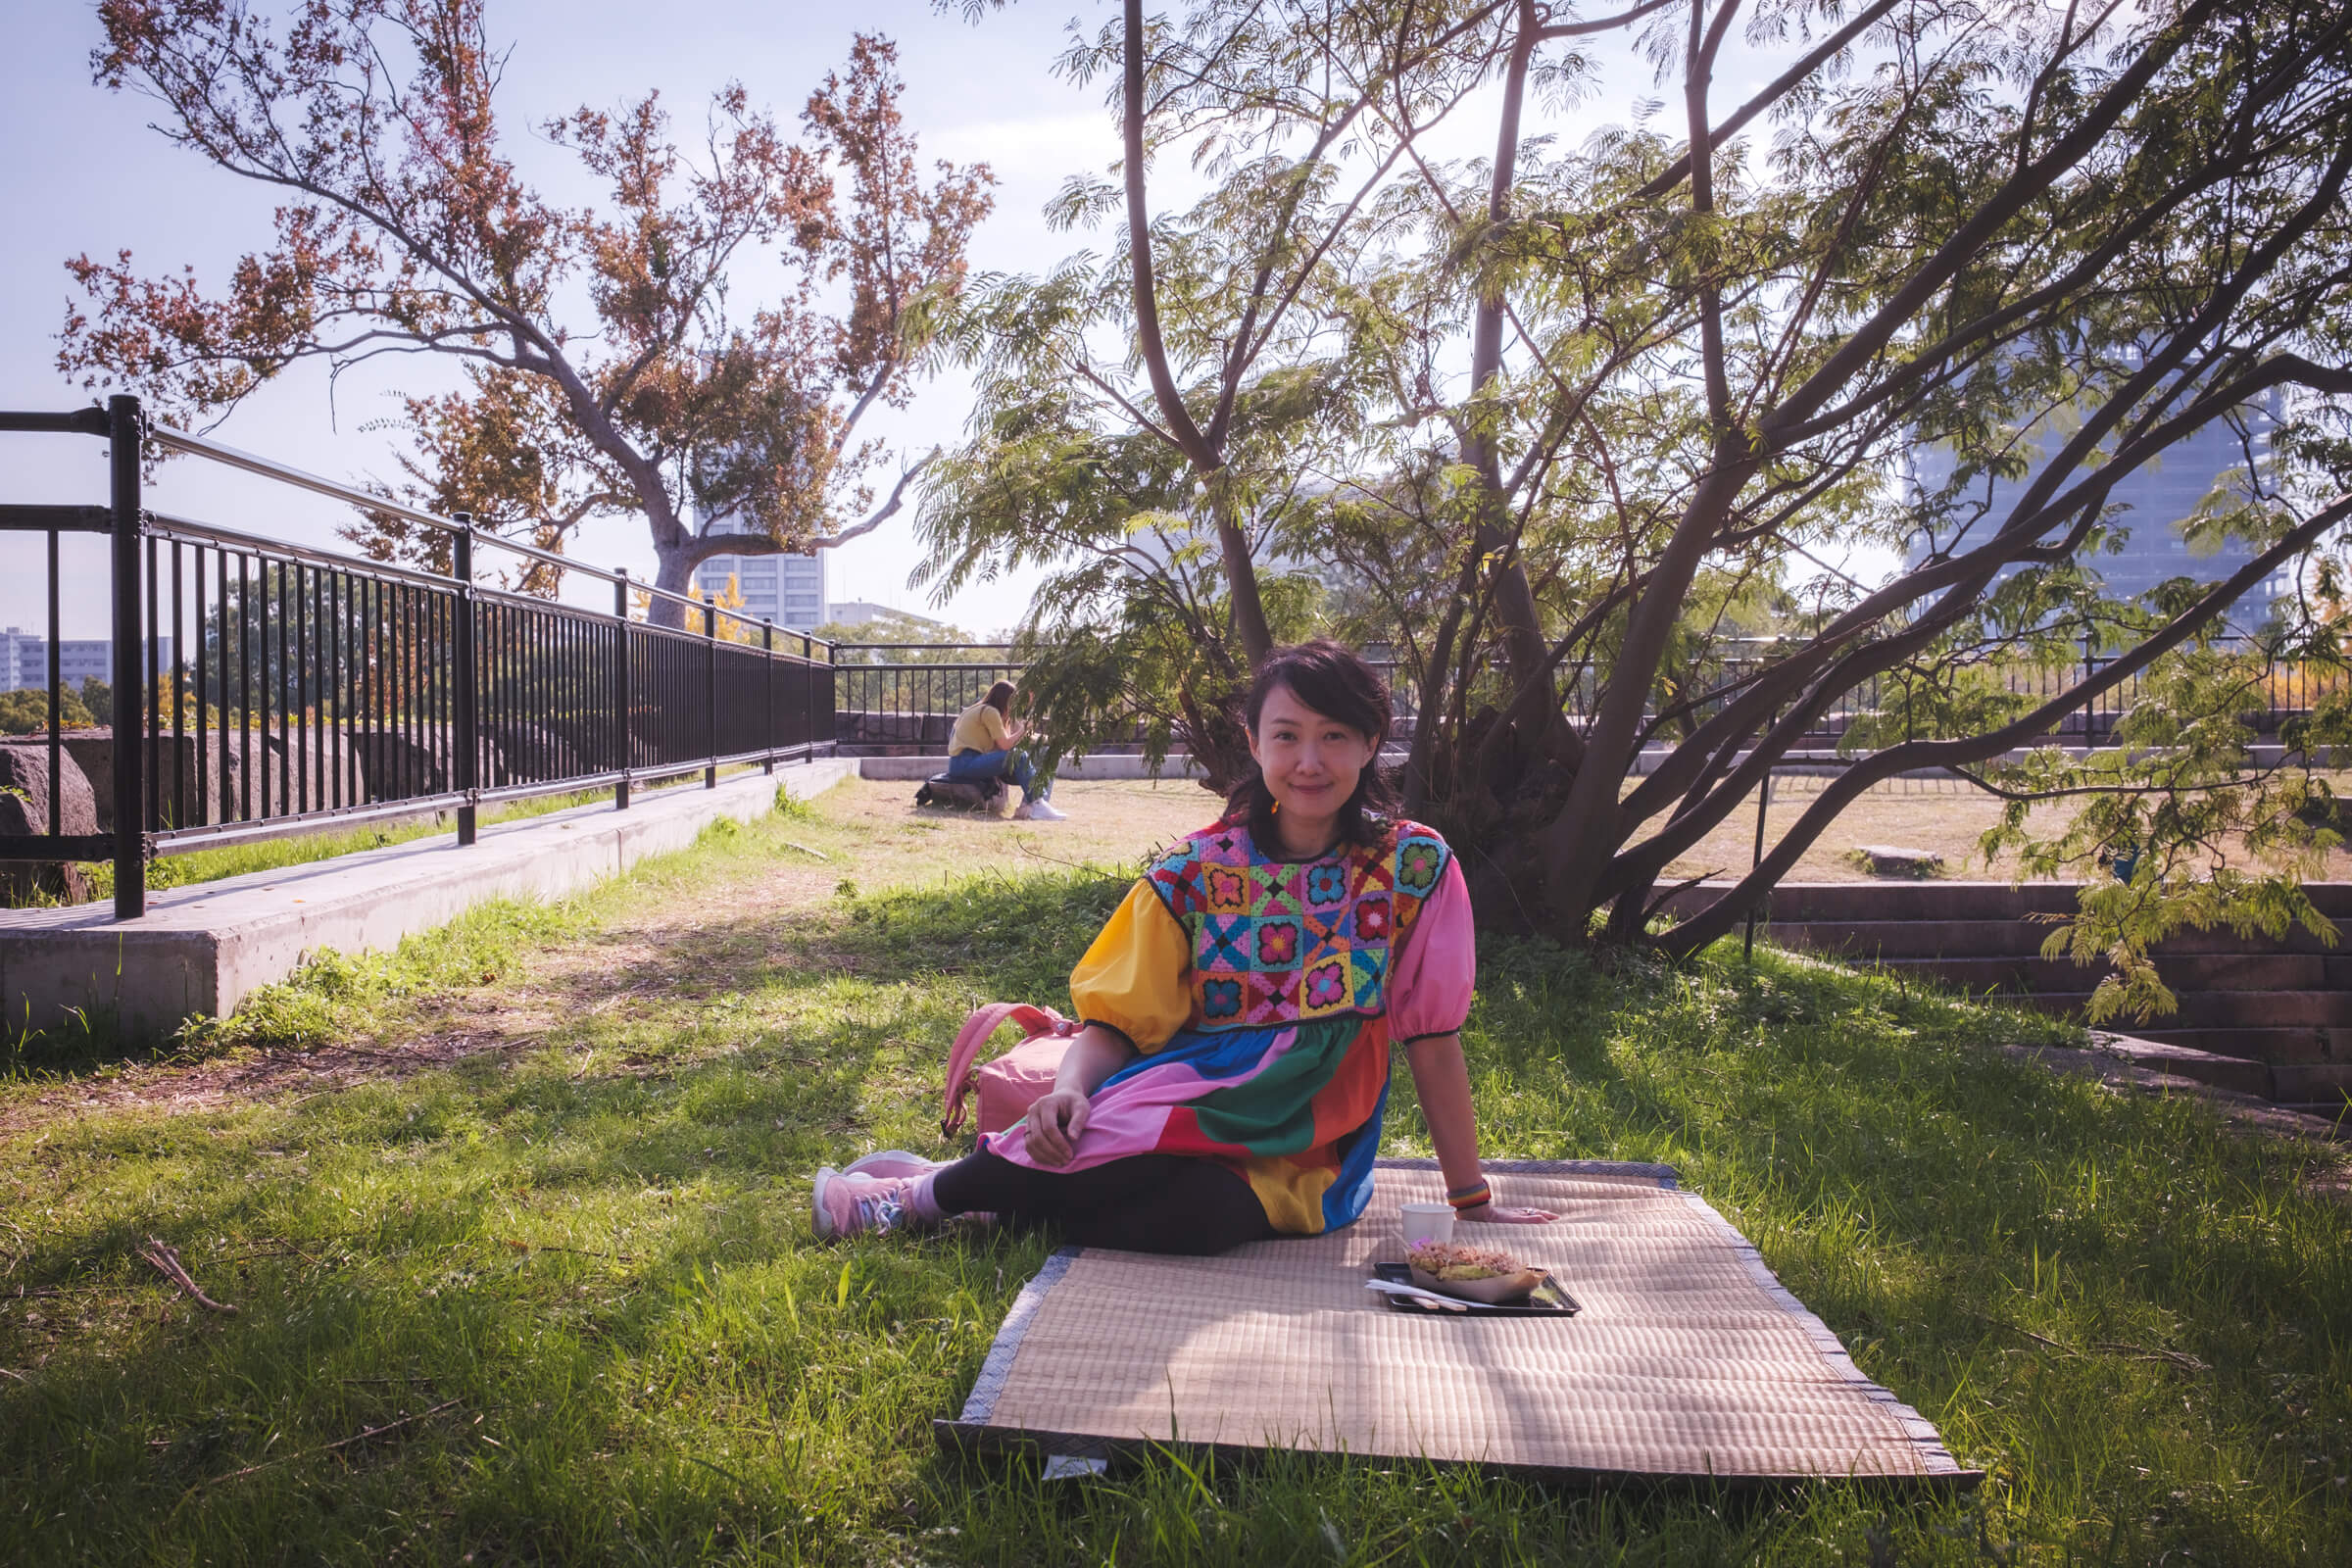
point(789, 590)
point(2155, 501)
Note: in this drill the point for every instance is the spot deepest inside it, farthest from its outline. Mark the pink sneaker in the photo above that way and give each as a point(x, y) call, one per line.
point(892, 1163)
point(843, 1205)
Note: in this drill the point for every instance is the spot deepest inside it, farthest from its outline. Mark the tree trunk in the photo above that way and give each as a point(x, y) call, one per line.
point(673, 571)
point(1534, 729)
point(1248, 611)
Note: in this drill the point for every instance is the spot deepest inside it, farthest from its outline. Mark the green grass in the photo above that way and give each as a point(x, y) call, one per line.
point(582, 1274)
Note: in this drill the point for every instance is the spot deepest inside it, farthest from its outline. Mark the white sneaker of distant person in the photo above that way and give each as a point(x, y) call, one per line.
point(1039, 812)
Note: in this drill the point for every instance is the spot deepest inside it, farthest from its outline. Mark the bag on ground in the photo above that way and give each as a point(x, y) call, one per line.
point(1013, 1082)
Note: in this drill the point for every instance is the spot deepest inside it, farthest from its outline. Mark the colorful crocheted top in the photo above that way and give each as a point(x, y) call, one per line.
point(1262, 996)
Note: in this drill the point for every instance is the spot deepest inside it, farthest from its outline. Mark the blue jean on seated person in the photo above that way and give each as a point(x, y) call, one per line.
point(977, 766)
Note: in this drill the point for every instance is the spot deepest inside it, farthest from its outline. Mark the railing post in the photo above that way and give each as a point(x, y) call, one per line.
point(2089, 649)
point(466, 772)
point(767, 676)
point(130, 807)
point(808, 702)
point(710, 654)
point(620, 684)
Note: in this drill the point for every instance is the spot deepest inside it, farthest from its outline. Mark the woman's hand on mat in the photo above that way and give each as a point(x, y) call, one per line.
point(1495, 1214)
point(1053, 1124)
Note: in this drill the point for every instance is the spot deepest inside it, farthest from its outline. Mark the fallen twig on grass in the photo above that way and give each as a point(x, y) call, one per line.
point(339, 1442)
point(1025, 848)
point(2137, 1352)
point(19, 1376)
point(584, 1252)
point(792, 844)
point(165, 1260)
point(2140, 1353)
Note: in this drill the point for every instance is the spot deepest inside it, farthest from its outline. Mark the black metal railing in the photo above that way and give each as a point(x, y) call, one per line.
point(262, 687)
point(906, 695)
point(2278, 690)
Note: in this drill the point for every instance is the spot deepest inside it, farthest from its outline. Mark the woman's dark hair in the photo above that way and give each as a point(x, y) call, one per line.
point(1000, 697)
point(1336, 682)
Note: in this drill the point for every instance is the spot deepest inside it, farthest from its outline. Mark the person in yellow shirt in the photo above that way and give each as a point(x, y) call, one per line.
point(983, 747)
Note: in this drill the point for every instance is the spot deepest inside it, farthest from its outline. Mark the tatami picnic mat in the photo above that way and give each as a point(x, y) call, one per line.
point(1689, 1358)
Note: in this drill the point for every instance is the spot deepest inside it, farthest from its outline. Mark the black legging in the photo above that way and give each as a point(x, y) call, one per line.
point(1145, 1203)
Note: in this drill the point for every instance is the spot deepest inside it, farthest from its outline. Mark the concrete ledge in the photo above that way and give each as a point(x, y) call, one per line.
point(1084, 769)
point(201, 951)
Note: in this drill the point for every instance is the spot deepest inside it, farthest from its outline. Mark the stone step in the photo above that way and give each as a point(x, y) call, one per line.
point(2320, 1014)
point(1969, 939)
point(2290, 1046)
point(2234, 1074)
point(1944, 899)
point(2228, 972)
point(1911, 939)
point(1937, 900)
point(2313, 1082)
point(2263, 1009)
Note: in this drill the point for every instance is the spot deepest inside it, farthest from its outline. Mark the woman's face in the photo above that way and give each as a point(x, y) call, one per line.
point(1311, 760)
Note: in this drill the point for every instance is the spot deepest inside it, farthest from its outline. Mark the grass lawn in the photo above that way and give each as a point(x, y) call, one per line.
point(516, 1223)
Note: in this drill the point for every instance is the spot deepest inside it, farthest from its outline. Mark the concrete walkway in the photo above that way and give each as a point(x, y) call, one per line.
point(202, 949)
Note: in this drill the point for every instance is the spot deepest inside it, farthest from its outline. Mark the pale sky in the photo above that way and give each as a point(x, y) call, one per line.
point(85, 173)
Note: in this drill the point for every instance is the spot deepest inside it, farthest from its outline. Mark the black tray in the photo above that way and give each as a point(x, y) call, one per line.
point(1547, 1299)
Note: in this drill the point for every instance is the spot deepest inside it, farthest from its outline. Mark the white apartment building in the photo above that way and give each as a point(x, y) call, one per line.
point(789, 590)
point(25, 659)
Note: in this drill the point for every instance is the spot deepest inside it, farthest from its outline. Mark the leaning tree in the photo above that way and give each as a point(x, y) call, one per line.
point(607, 367)
point(1550, 416)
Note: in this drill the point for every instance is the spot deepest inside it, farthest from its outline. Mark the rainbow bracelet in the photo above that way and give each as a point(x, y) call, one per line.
point(1470, 1196)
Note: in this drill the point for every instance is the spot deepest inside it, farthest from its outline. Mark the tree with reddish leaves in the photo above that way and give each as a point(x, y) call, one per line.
point(607, 368)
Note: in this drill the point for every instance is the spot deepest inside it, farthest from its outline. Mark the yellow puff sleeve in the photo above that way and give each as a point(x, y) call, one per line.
point(1133, 977)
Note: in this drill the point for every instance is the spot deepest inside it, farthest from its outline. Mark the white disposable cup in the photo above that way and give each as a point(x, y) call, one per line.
point(1427, 1222)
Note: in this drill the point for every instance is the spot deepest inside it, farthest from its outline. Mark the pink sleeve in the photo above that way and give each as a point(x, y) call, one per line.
point(1430, 986)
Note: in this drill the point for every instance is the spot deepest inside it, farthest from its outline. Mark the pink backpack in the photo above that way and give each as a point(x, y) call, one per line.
point(1016, 1079)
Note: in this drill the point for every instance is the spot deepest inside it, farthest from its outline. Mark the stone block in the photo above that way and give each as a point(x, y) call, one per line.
point(309, 768)
point(25, 810)
point(401, 761)
point(187, 771)
point(314, 766)
point(1887, 860)
point(525, 753)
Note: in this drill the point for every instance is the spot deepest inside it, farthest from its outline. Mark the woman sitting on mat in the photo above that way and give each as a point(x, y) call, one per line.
point(981, 748)
point(1228, 1083)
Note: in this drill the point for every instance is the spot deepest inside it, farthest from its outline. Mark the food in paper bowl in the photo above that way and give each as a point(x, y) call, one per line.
point(1473, 1273)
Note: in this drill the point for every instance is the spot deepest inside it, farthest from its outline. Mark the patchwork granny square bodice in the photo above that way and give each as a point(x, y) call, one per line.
point(1276, 941)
